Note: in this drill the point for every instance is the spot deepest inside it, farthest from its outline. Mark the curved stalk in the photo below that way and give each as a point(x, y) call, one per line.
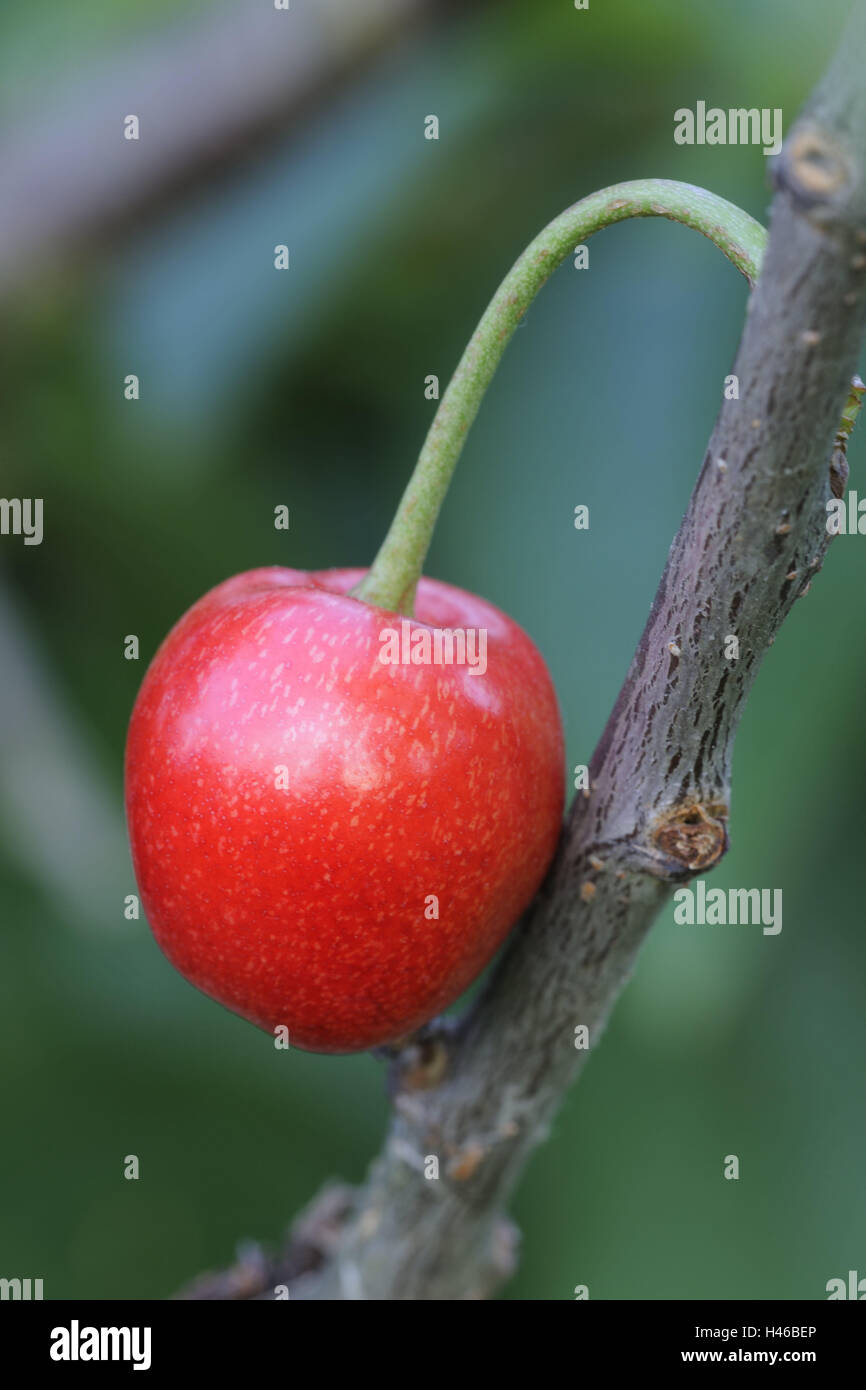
point(393, 577)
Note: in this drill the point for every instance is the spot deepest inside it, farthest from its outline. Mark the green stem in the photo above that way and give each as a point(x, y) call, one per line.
point(393, 577)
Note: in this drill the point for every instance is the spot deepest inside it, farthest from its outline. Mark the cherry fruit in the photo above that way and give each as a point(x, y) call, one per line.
point(326, 838)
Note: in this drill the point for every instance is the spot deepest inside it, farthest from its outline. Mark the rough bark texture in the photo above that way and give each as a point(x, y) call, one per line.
point(481, 1096)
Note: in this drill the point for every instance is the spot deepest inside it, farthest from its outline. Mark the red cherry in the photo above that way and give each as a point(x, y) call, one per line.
point(309, 901)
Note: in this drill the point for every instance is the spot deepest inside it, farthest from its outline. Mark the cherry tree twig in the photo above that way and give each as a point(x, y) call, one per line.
point(480, 1095)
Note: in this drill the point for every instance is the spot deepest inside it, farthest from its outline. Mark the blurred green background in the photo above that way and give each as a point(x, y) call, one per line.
point(306, 388)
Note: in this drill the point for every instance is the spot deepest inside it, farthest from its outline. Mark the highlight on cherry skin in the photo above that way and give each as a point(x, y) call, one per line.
point(327, 841)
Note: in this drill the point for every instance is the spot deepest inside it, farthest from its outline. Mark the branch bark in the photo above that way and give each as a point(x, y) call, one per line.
point(481, 1095)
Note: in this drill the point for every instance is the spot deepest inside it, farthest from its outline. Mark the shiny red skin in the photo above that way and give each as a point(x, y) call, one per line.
point(306, 907)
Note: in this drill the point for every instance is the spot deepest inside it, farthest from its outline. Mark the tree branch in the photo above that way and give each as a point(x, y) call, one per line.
point(480, 1095)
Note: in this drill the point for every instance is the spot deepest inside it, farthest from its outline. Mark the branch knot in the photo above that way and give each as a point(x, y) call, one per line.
point(692, 837)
